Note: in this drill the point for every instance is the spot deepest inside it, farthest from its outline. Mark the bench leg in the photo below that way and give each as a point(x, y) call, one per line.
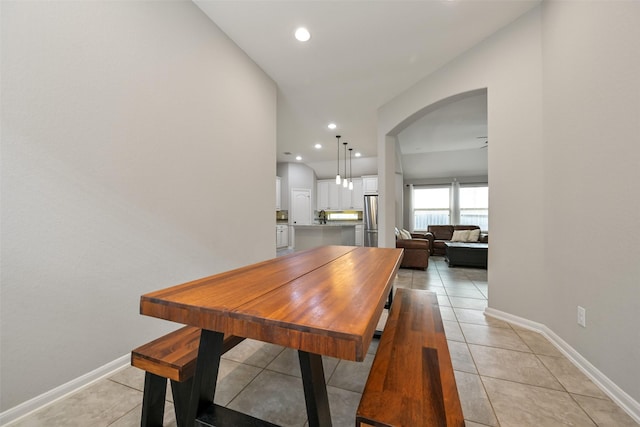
point(155, 389)
point(315, 389)
point(181, 392)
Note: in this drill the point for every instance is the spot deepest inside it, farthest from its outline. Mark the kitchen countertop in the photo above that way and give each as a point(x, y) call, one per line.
point(333, 224)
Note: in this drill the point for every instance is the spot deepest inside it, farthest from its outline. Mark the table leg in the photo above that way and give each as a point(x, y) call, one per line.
point(378, 333)
point(315, 389)
point(389, 299)
point(206, 375)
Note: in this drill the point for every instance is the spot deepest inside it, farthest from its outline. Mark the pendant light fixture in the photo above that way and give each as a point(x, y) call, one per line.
point(345, 181)
point(350, 171)
point(338, 162)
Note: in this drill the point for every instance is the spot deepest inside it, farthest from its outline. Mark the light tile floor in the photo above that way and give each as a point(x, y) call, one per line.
point(506, 376)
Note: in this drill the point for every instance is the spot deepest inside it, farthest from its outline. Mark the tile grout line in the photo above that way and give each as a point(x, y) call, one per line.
point(262, 369)
point(466, 343)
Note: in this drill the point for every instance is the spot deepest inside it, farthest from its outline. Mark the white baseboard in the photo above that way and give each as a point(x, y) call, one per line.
point(45, 399)
point(610, 388)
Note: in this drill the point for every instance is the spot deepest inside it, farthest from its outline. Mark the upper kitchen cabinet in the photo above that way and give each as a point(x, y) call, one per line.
point(358, 194)
point(370, 184)
point(352, 199)
point(278, 193)
point(346, 201)
point(322, 195)
point(327, 195)
point(333, 197)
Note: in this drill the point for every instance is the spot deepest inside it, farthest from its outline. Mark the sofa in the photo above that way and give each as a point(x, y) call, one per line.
point(438, 234)
point(416, 250)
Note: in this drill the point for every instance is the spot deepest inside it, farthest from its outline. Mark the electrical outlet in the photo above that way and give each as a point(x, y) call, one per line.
point(582, 317)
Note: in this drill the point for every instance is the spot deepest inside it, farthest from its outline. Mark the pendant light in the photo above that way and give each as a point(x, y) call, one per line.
point(350, 171)
point(345, 181)
point(338, 162)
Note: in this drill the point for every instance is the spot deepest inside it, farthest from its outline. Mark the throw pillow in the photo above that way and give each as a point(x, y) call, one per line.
point(460, 236)
point(474, 235)
point(405, 234)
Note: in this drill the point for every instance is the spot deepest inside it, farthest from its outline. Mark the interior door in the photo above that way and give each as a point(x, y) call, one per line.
point(301, 206)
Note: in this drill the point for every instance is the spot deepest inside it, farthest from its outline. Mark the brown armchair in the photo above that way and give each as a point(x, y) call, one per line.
point(416, 251)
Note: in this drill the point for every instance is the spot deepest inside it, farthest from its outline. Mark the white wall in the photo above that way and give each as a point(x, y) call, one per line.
point(459, 163)
point(564, 171)
point(514, 114)
point(296, 175)
point(125, 133)
point(361, 166)
point(591, 54)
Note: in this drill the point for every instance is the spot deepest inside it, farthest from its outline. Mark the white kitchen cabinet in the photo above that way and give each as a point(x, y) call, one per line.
point(282, 236)
point(357, 196)
point(346, 202)
point(352, 199)
point(359, 234)
point(285, 235)
point(333, 197)
point(322, 195)
point(327, 195)
point(278, 193)
point(370, 184)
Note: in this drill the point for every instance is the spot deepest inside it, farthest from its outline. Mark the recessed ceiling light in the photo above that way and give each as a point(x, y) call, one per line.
point(332, 126)
point(298, 158)
point(318, 146)
point(302, 34)
point(358, 154)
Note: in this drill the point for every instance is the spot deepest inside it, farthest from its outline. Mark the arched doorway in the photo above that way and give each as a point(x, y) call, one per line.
point(454, 130)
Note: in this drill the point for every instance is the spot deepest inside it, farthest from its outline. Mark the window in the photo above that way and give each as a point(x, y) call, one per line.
point(431, 206)
point(466, 204)
point(474, 206)
point(342, 215)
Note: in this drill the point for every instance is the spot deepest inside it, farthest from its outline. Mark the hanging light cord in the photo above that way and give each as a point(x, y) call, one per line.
point(338, 162)
point(350, 170)
point(345, 160)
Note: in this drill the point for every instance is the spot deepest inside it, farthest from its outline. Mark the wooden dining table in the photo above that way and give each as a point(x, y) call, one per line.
point(324, 301)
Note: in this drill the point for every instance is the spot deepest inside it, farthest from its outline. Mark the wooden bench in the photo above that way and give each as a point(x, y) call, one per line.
point(411, 382)
point(171, 357)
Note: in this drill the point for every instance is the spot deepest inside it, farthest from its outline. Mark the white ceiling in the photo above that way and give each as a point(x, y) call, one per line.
point(449, 140)
point(361, 55)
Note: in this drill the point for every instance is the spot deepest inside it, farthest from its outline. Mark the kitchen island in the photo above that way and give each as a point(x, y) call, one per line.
point(341, 233)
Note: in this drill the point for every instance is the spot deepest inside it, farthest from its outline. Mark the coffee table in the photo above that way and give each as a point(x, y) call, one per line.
point(466, 254)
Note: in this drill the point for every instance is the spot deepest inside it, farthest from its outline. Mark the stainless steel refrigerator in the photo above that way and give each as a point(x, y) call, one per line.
point(370, 220)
